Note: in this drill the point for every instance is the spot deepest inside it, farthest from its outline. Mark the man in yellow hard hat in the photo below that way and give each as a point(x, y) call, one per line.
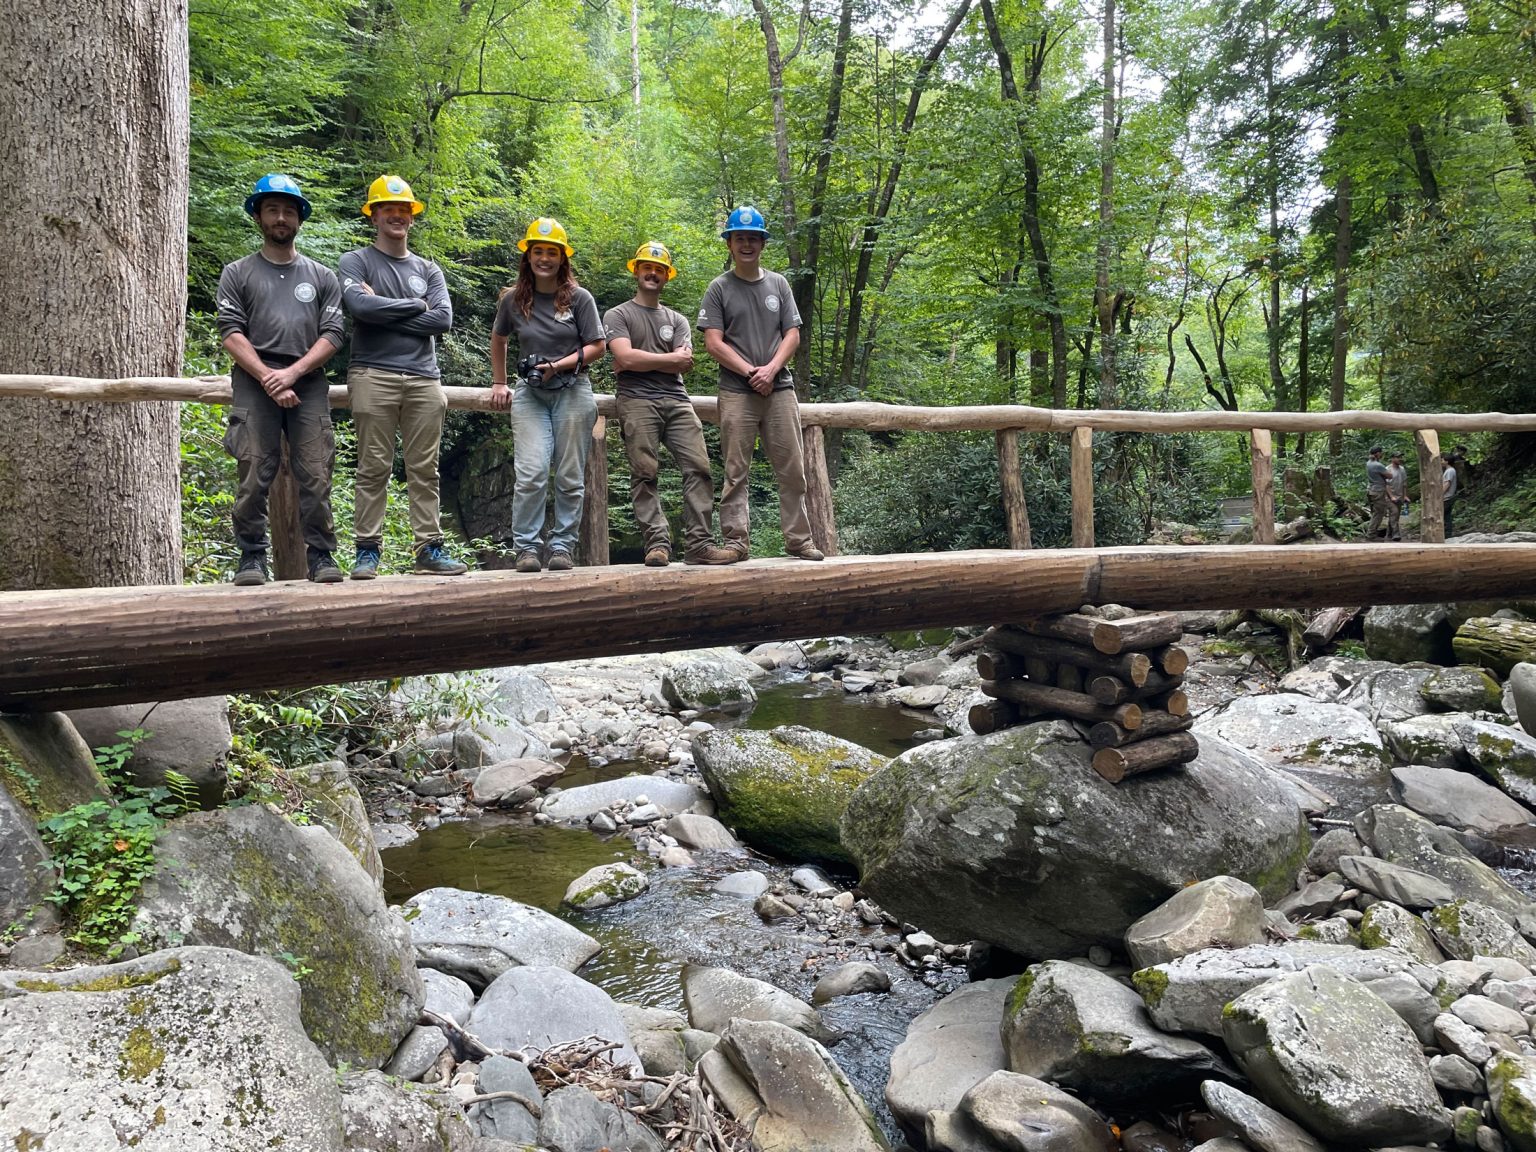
point(652, 347)
point(399, 306)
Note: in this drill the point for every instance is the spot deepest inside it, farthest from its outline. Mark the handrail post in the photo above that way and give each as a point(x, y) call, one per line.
point(1431, 487)
point(594, 504)
point(818, 489)
point(1011, 480)
point(1262, 461)
point(1082, 487)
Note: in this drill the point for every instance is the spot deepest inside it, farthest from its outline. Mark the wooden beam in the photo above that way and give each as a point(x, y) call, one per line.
point(1431, 487)
point(1011, 479)
point(1082, 487)
point(1262, 461)
point(95, 646)
point(592, 535)
point(290, 555)
point(818, 490)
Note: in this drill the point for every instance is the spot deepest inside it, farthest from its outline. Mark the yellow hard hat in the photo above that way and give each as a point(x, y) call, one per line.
point(391, 190)
point(653, 252)
point(546, 230)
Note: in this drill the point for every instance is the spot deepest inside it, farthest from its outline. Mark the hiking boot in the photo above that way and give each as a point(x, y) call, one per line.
point(434, 560)
point(560, 560)
point(528, 560)
point(252, 570)
point(365, 566)
point(714, 554)
point(323, 570)
point(658, 557)
point(807, 551)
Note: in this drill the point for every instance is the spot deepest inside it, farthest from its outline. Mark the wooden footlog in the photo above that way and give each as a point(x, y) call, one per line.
point(1495, 643)
point(1134, 633)
point(1073, 704)
point(1115, 764)
point(1175, 702)
point(1172, 660)
point(993, 716)
point(1107, 734)
point(1131, 667)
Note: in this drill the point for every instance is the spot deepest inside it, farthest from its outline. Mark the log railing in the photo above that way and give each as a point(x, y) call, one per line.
point(1007, 421)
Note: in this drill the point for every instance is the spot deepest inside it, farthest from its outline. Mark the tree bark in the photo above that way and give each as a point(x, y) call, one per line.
point(1343, 252)
point(791, 231)
point(1494, 643)
point(1104, 300)
point(94, 147)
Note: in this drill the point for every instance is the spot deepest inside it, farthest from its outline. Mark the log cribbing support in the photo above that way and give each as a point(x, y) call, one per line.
point(96, 646)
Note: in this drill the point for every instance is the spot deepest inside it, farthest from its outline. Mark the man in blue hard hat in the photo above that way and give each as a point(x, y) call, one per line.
point(279, 315)
point(751, 328)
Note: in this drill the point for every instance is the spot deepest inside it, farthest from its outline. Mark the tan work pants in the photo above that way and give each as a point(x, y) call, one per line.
point(384, 403)
point(776, 418)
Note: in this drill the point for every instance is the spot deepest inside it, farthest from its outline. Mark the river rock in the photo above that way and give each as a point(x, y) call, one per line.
point(336, 804)
point(1430, 740)
point(391, 835)
point(1489, 1016)
point(526, 697)
point(246, 878)
point(1505, 754)
point(1258, 1124)
point(506, 1119)
point(447, 996)
point(1326, 850)
point(804, 1102)
point(716, 996)
point(496, 783)
point(1388, 693)
point(1458, 799)
point(849, 980)
point(1521, 687)
point(190, 737)
point(477, 936)
point(1512, 1092)
point(1188, 994)
point(1311, 900)
point(1023, 1114)
point(947, 1050)
point(785, 790)
point(1459, 1038)
point(703, 832)
point(25, 875)
point(1403, 837)
point(579, 803)
point(1386, 925)
point(44, 764)
point(711, 683)
point(383, 1115)
point(923, 673)
point(1082, 1029)
point(192, 1049)
point(576, 1121)
point(604, 885)
point(1014, 839)
point(538, 1006)
point(927, 696)
point(1329, 1051)
point(1466, 929)
point(1296, 731)
point(748, 885)
point(1404, 633)
point(493, 740)
point(1463, 689)
point(1403, 886)
point(1222, 912)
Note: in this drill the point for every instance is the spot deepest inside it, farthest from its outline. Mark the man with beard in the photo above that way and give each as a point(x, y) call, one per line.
point(279, 316)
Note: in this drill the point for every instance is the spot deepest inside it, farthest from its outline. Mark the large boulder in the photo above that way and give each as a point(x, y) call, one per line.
point(784, 791)
point(25, 877)
point(947, 1051)
point(1512, 1091)
point(247, 879)
point(384, 1115)
point(1522, 690)
point(1430, 740)
point(1014, 839)
point(190, 737)
point(1505, 754)
point(801, 1100)
point(1022, 1114)
point(538, 1007)
point(1222, 912)
point(1297, 731)
point(524, 696)
point(190, 1050)
point(494, 739)
point(1080, 1028)
point(589, 799)
point(1329, 1052)
point(711, 682)
point(333, 798)
point(1404, 633)
point(1458, 799)
point(44, 764)
point(716, 996)
point(1388, 693)
point(574, 1120)
point(477, 936)
point(1385, 925)
point(1466, 929)
point(1463, 689)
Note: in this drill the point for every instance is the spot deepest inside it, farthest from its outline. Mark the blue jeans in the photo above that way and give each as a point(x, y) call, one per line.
point(550, 428)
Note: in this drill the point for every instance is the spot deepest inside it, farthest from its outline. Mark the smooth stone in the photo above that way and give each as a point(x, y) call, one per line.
point(1458, 799)
point(1403, 886)
point(1222, 912)
point(695, 831)
point(947, 1050)
point(1259, 1124)
point(715, 997)
point(851, 979)
point(477, 936)
point(747, 885)
point(1488, 1016)
point(1028, 1115)
point(538, 1006)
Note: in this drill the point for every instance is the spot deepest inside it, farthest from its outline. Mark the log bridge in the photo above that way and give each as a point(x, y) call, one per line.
point(97, 646)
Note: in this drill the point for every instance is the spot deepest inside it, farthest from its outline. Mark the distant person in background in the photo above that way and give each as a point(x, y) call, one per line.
point(553, 410)
point(399, 306)
point(1450, 484)
point(1465, 472)
point(1382, 509)
point(279, 315)
point(1397, 493)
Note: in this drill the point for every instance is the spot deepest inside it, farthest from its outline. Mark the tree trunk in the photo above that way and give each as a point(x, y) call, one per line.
point(1343, 250)
point(1104, 301)
point(781, 159)
point(94, 147)
point(1494, 643)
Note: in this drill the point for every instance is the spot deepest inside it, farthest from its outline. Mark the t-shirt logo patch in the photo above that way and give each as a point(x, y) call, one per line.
point(304, 292)
point(419, 285)
point(772, 302)
point(666, 332)
point(565, 317)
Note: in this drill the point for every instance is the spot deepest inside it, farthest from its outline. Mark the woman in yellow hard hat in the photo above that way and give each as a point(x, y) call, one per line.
point(553, 411)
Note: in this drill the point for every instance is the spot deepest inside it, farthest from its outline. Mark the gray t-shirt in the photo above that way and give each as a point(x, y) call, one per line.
point(282, 309)
point(546, 334)
point(753, 316)
point(390, 328)
point(1397, 482)
point(1375, 478)
point(660, 329)
point(1450, 480)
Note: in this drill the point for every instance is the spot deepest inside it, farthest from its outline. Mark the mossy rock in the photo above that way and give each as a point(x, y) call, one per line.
point(45, 765)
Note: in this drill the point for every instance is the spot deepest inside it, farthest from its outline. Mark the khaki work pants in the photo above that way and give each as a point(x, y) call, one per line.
point(744, 416)
point(647, 424)
point(384, 403)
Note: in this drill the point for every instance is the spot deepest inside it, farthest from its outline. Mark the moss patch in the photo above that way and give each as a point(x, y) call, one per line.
point(1152, 983)
point(140, 1054)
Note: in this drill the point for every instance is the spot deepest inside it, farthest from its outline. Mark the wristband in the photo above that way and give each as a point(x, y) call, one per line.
point(498, 383)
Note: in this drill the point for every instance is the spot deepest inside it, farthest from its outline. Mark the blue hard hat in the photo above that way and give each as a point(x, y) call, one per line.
point(276, 184)
point(744, 219)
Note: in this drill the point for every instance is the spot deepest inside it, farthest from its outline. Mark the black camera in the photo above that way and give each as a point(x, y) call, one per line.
point(531, 370)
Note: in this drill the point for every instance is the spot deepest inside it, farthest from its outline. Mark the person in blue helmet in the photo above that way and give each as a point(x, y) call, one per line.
point(279, 316)
point(751, 329)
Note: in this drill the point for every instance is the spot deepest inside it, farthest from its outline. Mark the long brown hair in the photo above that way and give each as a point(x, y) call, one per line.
point(522, 287)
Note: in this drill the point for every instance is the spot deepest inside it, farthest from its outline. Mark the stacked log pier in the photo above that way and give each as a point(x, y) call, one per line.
point(1119, 680)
